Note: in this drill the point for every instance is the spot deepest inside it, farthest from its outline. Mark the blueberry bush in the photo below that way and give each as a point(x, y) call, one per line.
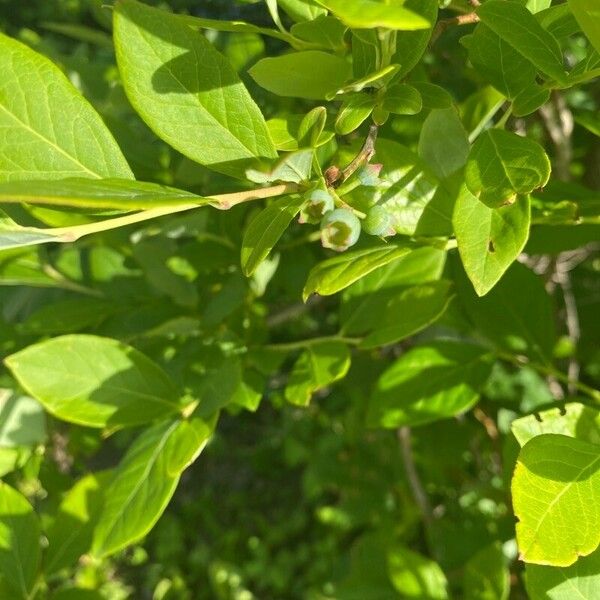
point(299, 299)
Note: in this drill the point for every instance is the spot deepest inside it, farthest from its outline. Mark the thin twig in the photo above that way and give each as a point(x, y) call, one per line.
point(558, 121)
point(334, 176)
point(443, 24)
point(563, 279)
point(416, 487)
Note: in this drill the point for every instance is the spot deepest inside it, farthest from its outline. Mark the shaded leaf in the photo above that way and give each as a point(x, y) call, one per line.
point(416, 576)
point(429, 382)
point(334, 274)
point(409, 312)
point(265, 229)
point(486, 575)
point(317, 367)
point(19, 541)
point(517, 26)
point(581, 580)
point(309, 74)
point(70, 534)
point(588, 17)
point(22, 421)
point(443, 143)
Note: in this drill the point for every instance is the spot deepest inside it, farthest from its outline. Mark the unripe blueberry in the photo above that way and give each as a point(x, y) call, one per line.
point(318, 202)
point(340, 229)
point(379, 221)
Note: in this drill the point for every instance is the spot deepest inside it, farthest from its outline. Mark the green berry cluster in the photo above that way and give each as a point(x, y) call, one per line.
point(339, 222)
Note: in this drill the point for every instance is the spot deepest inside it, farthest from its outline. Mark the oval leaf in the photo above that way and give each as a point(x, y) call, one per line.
point(265, 230)
point(367, 14)
point(317, 367)
point(49, 131)
point(94, 381)
point(408, 312)
point(517, 26)
point(339, 272)
point(489, 239)
point(19, 541)
point(556, 487)
point(311, 74)
point(186, 91)
point(502, 164)
point(428, 383)
point(144, 482)
point(70, 534)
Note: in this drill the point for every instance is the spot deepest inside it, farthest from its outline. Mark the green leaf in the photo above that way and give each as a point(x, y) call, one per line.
point(428, 383)
point(502, 164)
point(402, 99)
point(311, 74)
point(489, 239)
point(302, 10)
point(94, 381)
point(486, 575)
point(355, 110)
point(294, 167)
point(588, 17)
point(432, 96)
point(372, 79)
point(19, 541)
point(443, 143)
point(367, 14)
point(285, 132)
point(144, 482)
point(265, 230)
point(581, 580)
point(519, 28)
point(415, 576)
point(311, 127)
point(477, 110)
point(409, 312)
point(505, 68)
point(419, 203)
point(573, 420)
point(411, 45)
point(365, 301)
point(120, 194)
point(49, 131)
point(516, 315)
point(70, 534)
point(206, 114)
point(556, 488)
point(22, 421)
point(336, 273)
point(324, 31)
point(13, 235)
point(318, 366)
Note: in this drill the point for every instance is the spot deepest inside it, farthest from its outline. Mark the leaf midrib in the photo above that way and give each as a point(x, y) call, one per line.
point(50, 142)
